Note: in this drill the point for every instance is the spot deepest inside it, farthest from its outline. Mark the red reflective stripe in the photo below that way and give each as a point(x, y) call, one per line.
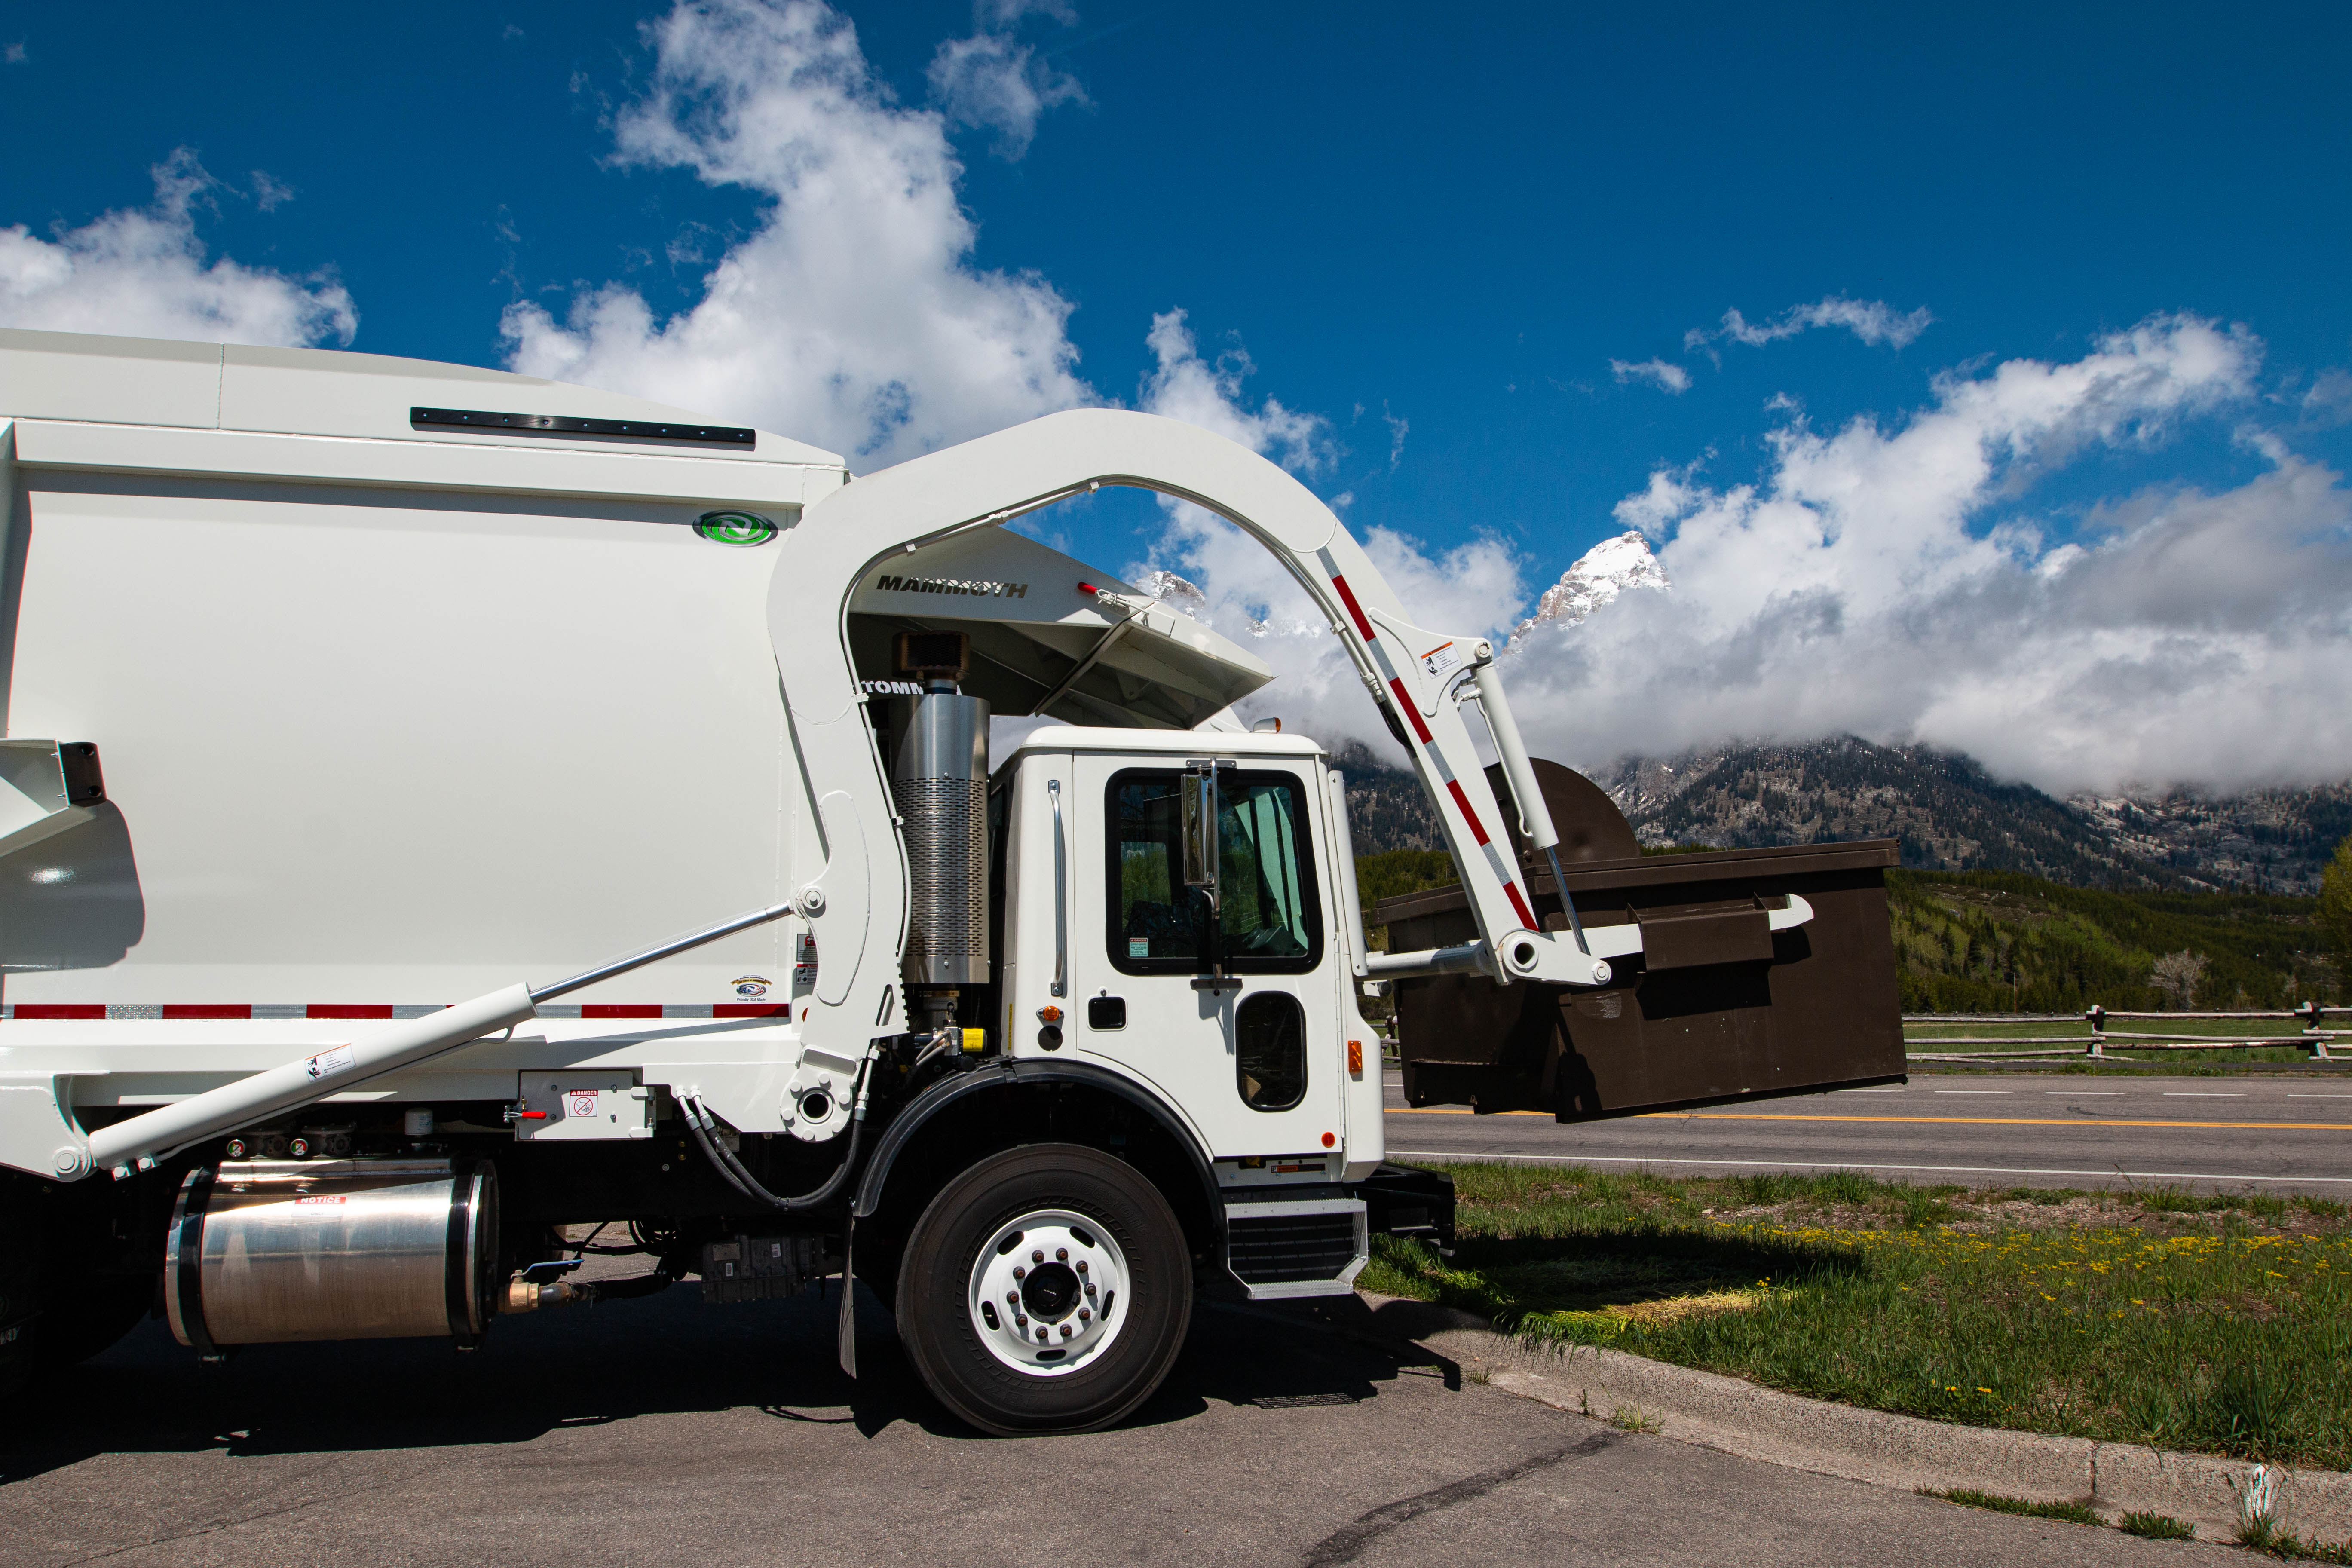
point(1354, 609)
point(207, 1010)
point(620, 1010)
point(348, 1010)
point(1527, 917)
point(1468, 815)
point(748, 1010)
point(61, 1009)
point(1410, 713)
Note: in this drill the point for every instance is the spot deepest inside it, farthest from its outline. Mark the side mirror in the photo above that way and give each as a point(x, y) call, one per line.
point(1197, 809)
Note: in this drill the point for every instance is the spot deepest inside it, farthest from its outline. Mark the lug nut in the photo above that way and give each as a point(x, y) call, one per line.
point(1019, 1272)
point(1012, 1298)
point(1082, 1265)
point(1036, 1255)
point(1067, 1330)
point(1084, 1316)
point(1090, 1292)
point(1061, 1254)
point(1041, 1335)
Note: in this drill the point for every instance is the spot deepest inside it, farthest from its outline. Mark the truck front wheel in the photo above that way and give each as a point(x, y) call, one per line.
point(1045, 1290)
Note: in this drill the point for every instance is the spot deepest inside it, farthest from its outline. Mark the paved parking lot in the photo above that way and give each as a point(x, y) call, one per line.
point(665, 1430)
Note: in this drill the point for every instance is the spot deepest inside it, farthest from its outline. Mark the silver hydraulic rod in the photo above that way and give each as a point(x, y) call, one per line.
point(1469, 958)
point(1535, 816)
point(676, 946)
point(148, 1136)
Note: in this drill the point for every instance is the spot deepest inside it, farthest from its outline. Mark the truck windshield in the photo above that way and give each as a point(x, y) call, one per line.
point(1266, 920)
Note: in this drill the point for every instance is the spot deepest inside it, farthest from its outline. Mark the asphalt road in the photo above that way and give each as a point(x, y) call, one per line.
point(2273, 1133)
point(664, 1431)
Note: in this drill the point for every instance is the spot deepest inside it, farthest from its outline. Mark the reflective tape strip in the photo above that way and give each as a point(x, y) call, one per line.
point(1348, 599)
point(1468, 815)
point(281, 1012)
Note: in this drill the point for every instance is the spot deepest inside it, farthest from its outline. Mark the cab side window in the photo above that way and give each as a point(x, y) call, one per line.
point(1267, 919)
point(1270, 1050)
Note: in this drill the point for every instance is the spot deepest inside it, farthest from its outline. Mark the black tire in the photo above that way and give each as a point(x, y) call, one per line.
point(935, 1277)
point(83, 1317)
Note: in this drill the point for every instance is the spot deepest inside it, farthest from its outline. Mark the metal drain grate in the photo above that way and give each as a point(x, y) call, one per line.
point(1292, 1401)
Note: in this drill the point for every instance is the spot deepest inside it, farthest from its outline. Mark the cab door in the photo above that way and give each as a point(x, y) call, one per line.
point(1250, 1054)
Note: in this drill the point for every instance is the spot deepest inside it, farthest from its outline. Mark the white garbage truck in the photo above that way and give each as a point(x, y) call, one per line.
point(359, 710)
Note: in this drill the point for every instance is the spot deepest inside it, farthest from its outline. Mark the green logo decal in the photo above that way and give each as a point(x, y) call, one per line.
point(734, 528)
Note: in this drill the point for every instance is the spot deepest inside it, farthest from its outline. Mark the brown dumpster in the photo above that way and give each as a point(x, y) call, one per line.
point(1717, 1006)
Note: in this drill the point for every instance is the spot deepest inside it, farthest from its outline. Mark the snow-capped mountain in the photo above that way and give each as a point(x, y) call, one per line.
point(1177, 592)
point(1599, 576)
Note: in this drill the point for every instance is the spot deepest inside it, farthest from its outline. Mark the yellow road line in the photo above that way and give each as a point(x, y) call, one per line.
point(1960, 1120)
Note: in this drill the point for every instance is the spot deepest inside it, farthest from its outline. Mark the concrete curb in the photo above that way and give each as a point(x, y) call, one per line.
point(1757, 1423)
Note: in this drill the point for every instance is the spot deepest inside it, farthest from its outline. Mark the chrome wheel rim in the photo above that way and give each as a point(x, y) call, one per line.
point(1048, 1292)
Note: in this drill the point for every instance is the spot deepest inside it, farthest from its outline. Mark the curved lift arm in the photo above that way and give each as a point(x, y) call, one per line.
point(859, 910)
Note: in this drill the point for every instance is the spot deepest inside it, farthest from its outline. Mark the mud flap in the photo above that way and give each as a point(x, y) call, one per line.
point(848, 1331)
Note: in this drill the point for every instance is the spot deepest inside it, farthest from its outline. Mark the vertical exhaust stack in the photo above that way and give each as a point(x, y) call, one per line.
point(938, 782)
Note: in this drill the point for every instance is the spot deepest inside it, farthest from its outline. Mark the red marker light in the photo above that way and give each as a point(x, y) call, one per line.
point(1328, 1140)
point(1088, 588)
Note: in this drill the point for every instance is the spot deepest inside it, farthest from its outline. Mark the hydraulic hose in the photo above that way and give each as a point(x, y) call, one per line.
point(699, 1121)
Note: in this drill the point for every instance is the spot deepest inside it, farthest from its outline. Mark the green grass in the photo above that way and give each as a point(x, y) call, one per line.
point(2264, 1536)
point(2156, 1527)
point(2213, 1323)
point(2072, 1512)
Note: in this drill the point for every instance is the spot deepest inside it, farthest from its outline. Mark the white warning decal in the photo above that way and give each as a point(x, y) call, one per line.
point(327, 1063)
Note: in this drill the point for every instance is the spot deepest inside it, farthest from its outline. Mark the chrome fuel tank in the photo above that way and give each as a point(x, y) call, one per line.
point(268, 1251)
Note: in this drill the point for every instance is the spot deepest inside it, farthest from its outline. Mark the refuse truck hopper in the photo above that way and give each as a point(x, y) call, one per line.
point(1717, 1008)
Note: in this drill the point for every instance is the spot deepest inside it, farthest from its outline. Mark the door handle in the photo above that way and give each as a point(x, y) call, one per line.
point(1061, 896)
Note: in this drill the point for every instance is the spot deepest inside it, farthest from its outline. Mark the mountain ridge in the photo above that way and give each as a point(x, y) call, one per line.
point(1944, 809)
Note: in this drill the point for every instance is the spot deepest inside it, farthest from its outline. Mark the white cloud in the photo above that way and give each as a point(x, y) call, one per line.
point(14, 54)
point(853, 315)
point(993, 81)
point(269, 194)
point(1209, 393)
point(1879, 579)
point(1666, 377)
point(1873, 320)
point(141, 272)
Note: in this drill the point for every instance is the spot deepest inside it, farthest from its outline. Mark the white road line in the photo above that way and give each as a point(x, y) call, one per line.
point(2096, 1093)
point(1855, 1165)
point(1976, 1092)
point(2200, 1094)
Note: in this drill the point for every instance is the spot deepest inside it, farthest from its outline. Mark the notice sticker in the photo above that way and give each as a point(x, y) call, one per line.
point(1440, 660)
point(327, 1063)
point(327, 1198)
point(580, 1102)
point(1139, 947)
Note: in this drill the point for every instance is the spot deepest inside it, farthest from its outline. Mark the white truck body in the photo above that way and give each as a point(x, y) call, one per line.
point(411, 682)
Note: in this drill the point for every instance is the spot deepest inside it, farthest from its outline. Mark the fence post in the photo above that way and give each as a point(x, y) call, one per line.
point(2096, 1016)
point(2310, 1015)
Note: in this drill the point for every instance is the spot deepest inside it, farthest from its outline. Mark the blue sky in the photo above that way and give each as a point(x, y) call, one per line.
point(1430, 233)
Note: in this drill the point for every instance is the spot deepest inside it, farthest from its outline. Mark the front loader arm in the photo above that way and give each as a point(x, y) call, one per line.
point(858, 904)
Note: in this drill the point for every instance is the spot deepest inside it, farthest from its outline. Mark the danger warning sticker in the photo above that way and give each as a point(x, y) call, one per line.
point(329, 1062)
